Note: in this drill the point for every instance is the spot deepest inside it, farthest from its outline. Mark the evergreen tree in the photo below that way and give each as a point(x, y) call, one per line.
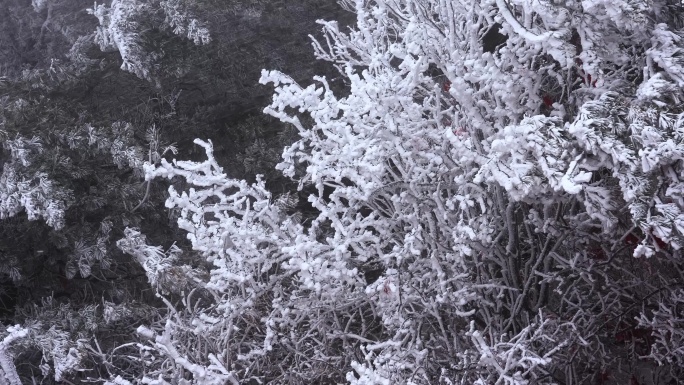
point(86, 100)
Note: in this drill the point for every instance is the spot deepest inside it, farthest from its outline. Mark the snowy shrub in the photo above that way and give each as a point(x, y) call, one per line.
point(507, 217)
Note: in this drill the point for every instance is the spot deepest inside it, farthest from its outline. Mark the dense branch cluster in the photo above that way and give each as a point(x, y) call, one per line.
point(465, 214)
point(480, 217)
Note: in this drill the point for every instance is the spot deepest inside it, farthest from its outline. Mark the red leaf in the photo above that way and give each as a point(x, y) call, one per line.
point(596, 253)
point(446, 86)
point(547, 100)
point(631, 239)
point(622, 336)
point(459, 131)
point(661, 244)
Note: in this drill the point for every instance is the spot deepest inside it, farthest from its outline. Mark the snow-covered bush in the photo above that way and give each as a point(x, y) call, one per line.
point(507, 217)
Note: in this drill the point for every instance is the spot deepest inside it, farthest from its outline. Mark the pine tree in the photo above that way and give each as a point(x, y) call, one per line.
point(76, 130)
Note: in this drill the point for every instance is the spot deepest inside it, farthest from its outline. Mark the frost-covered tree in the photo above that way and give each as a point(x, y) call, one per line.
point(71, 180)
point(75, 130)
point(123, 23)
point(506, 215)
point(67, 188)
